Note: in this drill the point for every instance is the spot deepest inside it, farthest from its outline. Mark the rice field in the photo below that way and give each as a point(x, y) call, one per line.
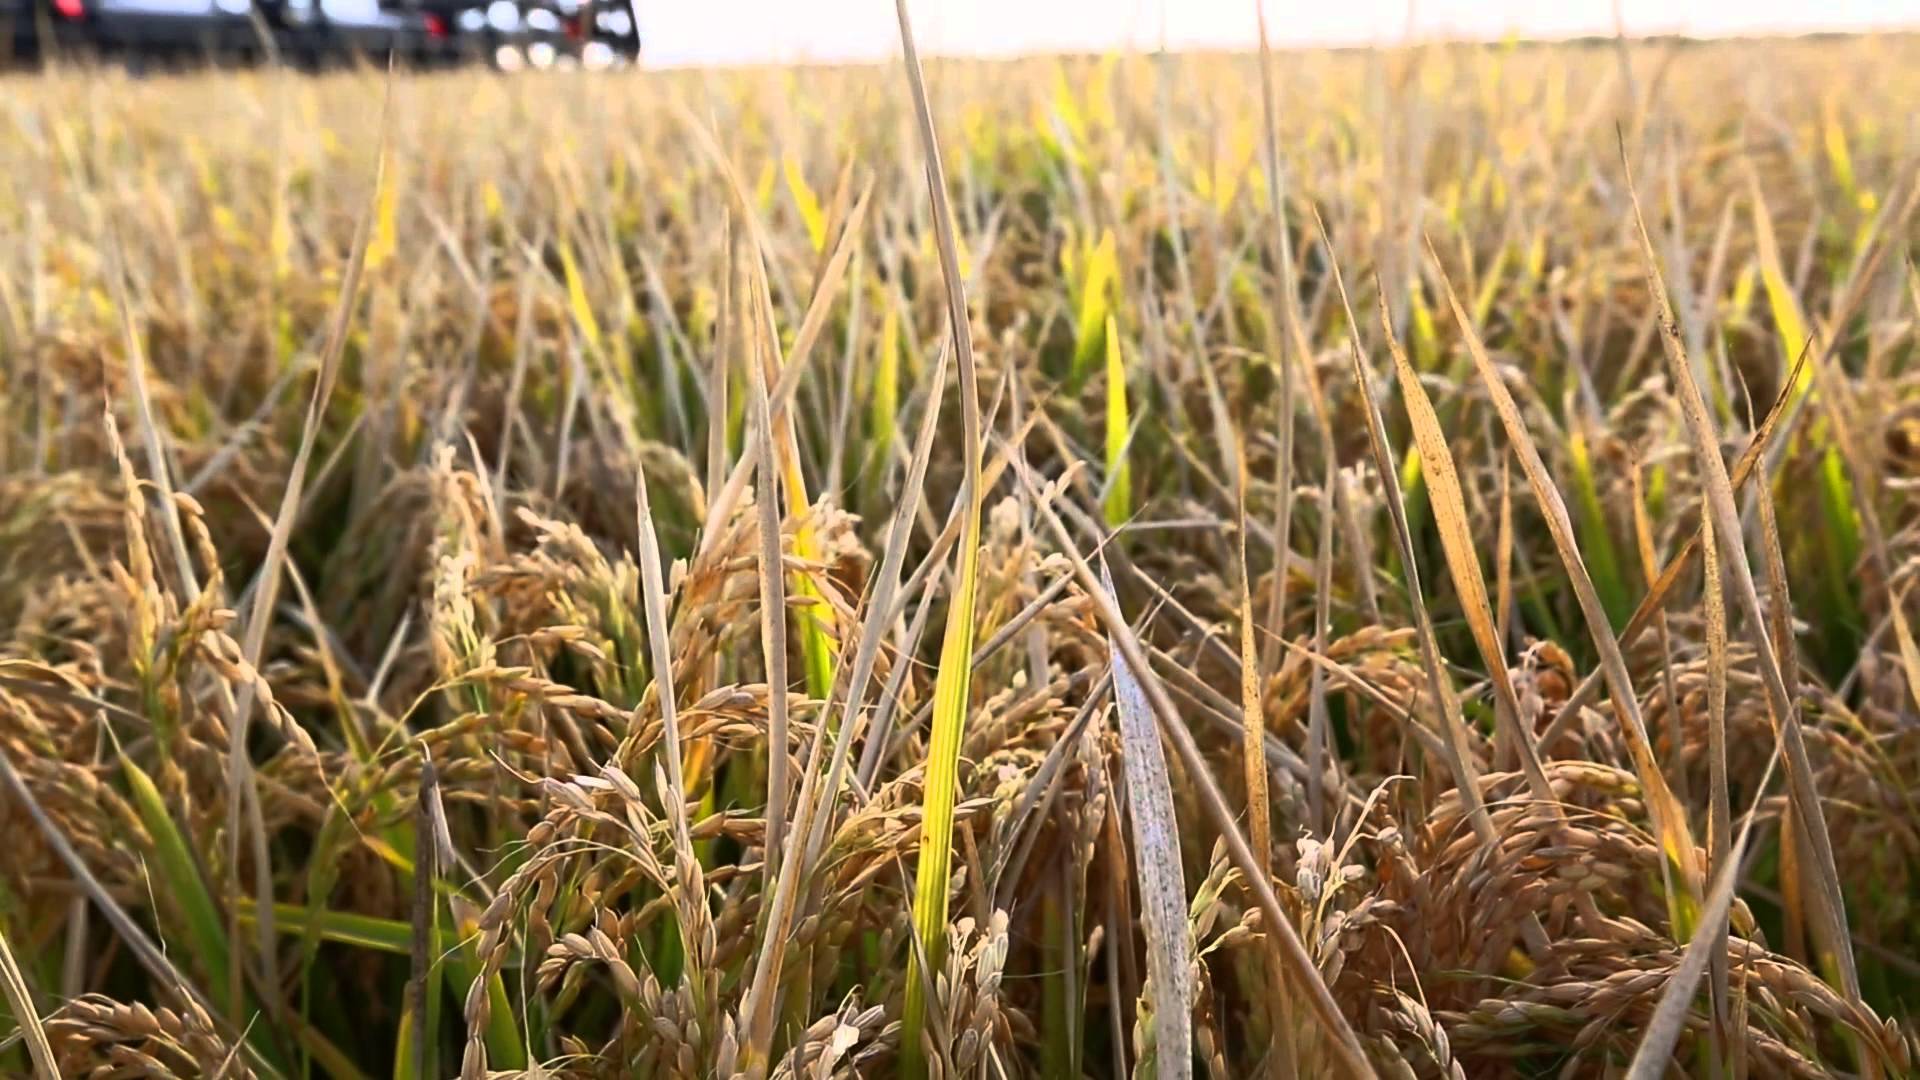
point(1392, 562)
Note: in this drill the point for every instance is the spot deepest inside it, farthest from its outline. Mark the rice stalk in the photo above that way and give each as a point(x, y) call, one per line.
point(1669, 817)
point(1804, 797)
point(1651, 1059)
point(25, 1015)
point(951, 686)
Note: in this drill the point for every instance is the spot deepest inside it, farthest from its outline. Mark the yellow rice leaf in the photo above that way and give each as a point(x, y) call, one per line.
point(1101, 269)
point(1838, 158)
point(577, 298)
point(385, 230)
point(763, 187)
point(804, 200)
point(1787, 319)
point(884, 397)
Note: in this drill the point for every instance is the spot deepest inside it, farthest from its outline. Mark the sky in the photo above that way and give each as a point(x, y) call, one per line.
point(679, 33)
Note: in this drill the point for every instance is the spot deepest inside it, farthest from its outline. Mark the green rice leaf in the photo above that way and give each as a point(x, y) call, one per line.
point(1118, 503)
point(179, 879)
point(953, 683)
point(1596, 540)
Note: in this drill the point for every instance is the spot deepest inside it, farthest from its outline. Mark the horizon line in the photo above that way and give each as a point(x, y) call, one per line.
point(1594, 37)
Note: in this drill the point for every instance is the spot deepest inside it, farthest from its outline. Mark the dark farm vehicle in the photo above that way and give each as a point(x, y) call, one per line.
point(510, 34)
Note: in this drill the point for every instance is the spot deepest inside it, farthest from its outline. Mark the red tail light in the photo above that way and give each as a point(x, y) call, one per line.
point(70, 9)
point(436, 26)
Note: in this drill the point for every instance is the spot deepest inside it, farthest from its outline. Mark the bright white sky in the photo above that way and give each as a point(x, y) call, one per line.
point(696, 32)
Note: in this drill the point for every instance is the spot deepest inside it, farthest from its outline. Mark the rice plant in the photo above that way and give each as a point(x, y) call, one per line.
point(1026, 568)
